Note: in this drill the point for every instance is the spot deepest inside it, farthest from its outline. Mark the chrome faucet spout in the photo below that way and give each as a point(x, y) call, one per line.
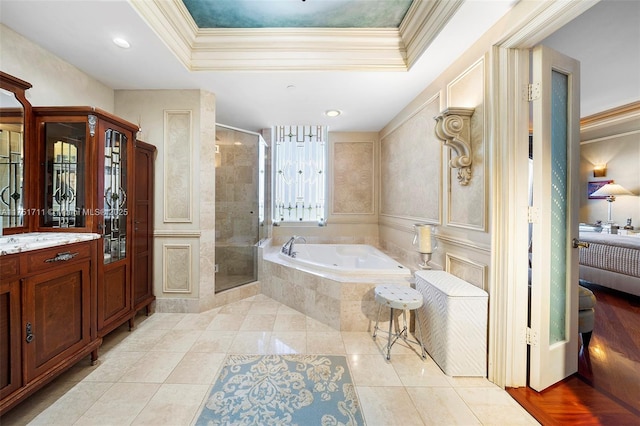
point(287, 248)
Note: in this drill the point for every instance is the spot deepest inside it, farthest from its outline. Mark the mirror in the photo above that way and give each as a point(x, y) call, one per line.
point(15, 116)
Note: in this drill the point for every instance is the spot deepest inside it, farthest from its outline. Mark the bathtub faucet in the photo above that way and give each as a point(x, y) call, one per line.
point(287, 248)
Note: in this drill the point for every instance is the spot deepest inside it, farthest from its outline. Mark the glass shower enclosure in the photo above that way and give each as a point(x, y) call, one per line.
point(240, 195)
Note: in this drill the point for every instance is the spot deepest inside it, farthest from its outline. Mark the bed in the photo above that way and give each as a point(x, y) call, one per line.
point(612, 261)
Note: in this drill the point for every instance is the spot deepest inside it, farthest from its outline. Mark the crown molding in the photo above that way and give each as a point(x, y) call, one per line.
point(256, 49)
point(611, 123)
point(422, 24)
point(298, 49)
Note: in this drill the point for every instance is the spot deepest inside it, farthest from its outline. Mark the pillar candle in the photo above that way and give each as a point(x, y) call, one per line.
point(425, 239)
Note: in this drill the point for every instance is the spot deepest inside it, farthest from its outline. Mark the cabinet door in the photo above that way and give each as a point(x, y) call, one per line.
point(65, 180)
point(143, 226)
point(56, 316)
point(114, 190)
point(10, 364)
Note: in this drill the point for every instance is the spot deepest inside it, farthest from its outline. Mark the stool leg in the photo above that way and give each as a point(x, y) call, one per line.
point(375, 329)
point(406, 328)
point(390, 329)
point(424, 354)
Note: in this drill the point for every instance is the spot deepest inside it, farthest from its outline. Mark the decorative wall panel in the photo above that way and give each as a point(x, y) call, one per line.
point(467, 270)
point(467, 205)
point(353, 178)
point(411, 159)
point(178, 179)
point(176, 261)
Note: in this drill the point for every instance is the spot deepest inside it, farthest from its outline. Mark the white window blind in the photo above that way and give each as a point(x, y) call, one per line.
point(300, 159)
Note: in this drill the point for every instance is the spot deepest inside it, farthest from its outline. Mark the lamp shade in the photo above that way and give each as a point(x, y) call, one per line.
point(611, 189)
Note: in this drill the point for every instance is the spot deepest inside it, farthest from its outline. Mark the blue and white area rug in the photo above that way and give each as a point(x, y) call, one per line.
point(283, 390)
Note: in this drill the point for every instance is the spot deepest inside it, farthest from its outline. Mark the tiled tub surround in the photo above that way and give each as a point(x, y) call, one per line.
point(343, 302)
point(18, 243)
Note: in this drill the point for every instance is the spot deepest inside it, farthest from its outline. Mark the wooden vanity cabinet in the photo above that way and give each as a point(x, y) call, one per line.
point(47, 316)
point(87, 166)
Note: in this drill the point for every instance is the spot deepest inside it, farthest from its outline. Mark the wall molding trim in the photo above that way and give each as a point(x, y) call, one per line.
point(464, 243)
point(176, 268)
point(176, 233)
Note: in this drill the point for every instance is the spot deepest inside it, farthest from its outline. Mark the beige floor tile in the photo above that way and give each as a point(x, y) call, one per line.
point(176, 341)
point(238, 308)
point(317, 326)
point(161, 321)
point(442, 406)
point(72, 405)
point(415, 371)
point(161, 372)
point(290, 322)
point(140, 340)
point(196, 321)
point(214, 341)
point(288, 342)
point(258, 322)
point(469, 382)
point(384, 406)
point(111, 368)
point(361, 342)
point(284, 309)
point(154, 367)
point(119, 405)
point(196, 368)
point(226, 322)
point(325, 343)
point(173, 404)
point(265, 307)
point(251, 342)
point(493, 406)
point(372, 370)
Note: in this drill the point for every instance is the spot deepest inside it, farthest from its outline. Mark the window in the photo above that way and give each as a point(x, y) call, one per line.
point(300, 159)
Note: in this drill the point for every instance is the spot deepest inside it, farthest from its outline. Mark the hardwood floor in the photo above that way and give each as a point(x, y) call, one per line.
point(606, 389)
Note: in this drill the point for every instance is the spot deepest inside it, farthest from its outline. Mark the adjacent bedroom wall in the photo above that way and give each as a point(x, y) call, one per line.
point(611, 137)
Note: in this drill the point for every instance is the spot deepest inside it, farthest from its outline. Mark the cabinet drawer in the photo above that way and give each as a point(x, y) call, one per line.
point(9, 266)
point(41, 260)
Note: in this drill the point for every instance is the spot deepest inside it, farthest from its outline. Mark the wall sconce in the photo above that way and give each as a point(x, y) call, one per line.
point(600, 170)
point(453, 128)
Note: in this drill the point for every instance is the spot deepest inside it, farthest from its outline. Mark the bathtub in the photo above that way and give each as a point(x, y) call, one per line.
point(332, 283)
point(347, 259)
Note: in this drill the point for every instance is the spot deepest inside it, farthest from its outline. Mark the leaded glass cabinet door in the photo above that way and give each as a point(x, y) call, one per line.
point(554, 285)
point(65, 174)
point(115, 196)
point(115, 153)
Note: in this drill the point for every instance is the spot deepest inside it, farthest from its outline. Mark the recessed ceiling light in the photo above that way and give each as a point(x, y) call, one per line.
point(333, 113)
point(120, 42)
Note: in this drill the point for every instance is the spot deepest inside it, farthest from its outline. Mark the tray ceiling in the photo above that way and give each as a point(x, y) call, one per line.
point(359, 35)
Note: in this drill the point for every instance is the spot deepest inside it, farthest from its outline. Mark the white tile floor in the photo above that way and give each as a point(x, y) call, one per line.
point(161, 373)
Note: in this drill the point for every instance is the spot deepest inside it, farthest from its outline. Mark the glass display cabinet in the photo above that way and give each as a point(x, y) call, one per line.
point(86, 166)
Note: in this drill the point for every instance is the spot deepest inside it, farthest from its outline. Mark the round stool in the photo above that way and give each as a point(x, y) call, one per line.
point(398, 297)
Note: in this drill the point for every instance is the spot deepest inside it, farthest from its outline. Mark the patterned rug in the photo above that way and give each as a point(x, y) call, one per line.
point(283, 390)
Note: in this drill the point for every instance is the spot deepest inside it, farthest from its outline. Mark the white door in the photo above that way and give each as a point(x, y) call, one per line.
point(554, 286)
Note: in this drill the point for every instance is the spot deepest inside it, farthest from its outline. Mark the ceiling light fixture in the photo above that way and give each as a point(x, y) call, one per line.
point(333, 113)
point(120, 42)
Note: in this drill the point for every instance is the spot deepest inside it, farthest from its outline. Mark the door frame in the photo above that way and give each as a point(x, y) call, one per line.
point(509, 77)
